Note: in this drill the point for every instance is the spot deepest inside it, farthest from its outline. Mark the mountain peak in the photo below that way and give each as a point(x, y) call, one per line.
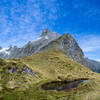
point(67, 35)
point(47, 40)
point(46, 32)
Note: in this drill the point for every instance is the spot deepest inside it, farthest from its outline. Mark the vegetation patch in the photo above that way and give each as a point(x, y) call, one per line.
point(54, 74)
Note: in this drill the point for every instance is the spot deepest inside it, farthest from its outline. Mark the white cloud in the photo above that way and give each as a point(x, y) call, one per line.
point(90, 43)
point(91, 12)
point(97, 60)
point(24, 21)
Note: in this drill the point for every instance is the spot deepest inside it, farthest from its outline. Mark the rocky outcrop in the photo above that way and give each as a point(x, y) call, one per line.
point(94, 65)
point(47, 40)
point(4, 53)
point(67, 44)
point(25, 70)
point(32, 46)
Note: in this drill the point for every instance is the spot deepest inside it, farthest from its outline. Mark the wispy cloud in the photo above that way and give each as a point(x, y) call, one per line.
point(22, 21)
point(90, 43)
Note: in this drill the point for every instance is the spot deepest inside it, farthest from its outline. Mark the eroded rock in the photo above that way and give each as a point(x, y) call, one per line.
point(25, 70)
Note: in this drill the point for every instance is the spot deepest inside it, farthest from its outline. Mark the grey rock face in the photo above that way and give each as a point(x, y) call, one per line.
point(31, 47)
point(26, 70)
point(68, 44)
point(94, 65)
point(47, 40)
point(4, 53)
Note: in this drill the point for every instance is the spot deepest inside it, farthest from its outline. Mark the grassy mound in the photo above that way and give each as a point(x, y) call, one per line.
point(48, 66)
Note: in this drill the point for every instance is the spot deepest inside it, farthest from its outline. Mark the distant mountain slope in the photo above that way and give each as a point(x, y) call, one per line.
point(18, 83)
point(94, 65)
point(31, 47)
point(47, 40)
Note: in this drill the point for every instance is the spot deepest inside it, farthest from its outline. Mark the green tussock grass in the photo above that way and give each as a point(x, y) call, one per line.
point(52, 65)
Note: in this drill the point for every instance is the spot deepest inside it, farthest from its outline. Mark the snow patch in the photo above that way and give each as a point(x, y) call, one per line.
point(5, 50)
point(46, 37)
point(37, 39)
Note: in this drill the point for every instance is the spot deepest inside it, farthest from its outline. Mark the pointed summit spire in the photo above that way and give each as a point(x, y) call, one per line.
point(44, 32)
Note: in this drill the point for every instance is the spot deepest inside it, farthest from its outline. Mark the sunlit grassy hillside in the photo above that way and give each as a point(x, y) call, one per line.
point(21, 79)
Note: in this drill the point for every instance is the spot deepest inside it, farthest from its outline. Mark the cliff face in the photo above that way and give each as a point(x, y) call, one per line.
point(47, 40)
point(67, 44)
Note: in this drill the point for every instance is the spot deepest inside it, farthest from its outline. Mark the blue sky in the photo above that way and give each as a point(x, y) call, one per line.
point(22, 21)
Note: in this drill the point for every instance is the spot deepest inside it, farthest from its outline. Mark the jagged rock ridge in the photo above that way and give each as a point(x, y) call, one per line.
point(68, 44)
point(31, 47)
point(47, 40)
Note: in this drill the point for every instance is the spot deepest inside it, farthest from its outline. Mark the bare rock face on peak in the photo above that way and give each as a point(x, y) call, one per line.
point(67, 44)
point(33, 46)
point(46, 32)
point(47, 40)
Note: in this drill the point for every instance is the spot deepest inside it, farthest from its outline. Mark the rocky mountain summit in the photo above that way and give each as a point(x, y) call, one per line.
point(47, 40)
point(31, 47)
point(67, 44)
